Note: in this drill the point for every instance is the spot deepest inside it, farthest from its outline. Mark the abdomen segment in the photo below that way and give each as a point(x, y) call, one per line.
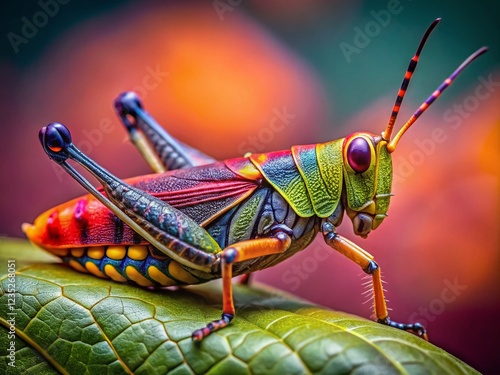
point(143, 265)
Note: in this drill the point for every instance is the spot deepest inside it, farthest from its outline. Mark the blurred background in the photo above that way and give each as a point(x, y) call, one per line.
point(232, 76)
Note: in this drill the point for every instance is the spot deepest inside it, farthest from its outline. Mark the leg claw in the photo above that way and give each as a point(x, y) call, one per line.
point(416, 328)
point(200, 334)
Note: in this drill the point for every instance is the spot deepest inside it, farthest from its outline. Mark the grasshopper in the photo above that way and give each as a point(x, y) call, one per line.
point(197, 219)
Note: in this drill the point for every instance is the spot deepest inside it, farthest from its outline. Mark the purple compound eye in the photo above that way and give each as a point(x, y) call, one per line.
point(359, 155)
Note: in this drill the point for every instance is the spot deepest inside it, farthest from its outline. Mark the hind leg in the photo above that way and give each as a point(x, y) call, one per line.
point(166, 228)
point(160, 150)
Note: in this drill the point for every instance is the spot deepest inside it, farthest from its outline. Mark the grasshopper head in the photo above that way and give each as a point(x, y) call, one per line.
point(368, 179)
point(367, 158)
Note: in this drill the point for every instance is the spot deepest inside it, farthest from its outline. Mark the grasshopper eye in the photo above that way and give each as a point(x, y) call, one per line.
point(359, 154)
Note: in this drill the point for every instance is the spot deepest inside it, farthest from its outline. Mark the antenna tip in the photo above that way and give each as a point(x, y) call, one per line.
point(483, 49)
point(435, 22)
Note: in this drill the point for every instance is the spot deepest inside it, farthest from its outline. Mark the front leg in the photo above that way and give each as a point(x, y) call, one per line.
point(240, 252)
point(366, 262)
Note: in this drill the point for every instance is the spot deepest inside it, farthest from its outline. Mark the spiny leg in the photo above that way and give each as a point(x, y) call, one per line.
point(162, 225)
point(160, 150)
point(239, 252)
point(366, 262)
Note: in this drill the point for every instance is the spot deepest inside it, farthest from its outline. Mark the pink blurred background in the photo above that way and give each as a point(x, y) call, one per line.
point(215, 76)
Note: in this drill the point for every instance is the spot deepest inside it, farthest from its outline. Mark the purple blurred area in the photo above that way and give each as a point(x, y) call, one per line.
point(217, 77)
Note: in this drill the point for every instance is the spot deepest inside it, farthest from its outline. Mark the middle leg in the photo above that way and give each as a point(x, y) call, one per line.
point(239, 252)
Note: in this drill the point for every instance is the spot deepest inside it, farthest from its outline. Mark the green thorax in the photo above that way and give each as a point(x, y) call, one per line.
point(311, 178)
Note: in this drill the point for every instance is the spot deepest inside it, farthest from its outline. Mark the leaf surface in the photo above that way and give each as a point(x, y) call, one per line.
point(75, 323)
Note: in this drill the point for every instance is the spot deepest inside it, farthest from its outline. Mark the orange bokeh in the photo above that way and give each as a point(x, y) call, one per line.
point(218, 77)
point(217, 85)
point(223, 87)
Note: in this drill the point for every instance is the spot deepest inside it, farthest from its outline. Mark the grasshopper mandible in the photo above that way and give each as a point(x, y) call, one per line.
point(197, 219)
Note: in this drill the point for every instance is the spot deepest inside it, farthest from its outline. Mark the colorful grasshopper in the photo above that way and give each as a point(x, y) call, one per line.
point(204, 219)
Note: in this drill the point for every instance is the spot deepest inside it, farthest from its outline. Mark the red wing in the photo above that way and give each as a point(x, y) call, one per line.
point(206, 192)
point(203, 193)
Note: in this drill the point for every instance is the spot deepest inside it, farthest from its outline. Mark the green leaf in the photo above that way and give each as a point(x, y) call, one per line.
point(75, 323)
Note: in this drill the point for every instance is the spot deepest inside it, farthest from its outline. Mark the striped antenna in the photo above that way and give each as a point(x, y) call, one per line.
point(406, 80)
point(392, 144)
